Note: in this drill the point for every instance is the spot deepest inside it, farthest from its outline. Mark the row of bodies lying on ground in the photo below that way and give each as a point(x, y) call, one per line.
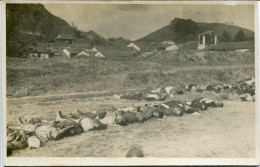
point(243, 90)
point(34, 132)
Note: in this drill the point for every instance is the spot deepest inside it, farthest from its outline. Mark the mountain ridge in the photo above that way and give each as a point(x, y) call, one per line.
point(181, 31)
point(29, 24)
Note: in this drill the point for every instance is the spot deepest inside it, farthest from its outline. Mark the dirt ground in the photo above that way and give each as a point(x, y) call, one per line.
point(216, 133)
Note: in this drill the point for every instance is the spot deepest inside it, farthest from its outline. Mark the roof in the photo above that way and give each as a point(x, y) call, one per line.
point(206, 32)
point(68, 37)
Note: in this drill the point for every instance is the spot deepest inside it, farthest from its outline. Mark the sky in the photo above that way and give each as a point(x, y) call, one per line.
point(134, 21)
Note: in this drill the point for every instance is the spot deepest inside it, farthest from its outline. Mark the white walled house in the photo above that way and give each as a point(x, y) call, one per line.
point(39, 52)
point(206, 38)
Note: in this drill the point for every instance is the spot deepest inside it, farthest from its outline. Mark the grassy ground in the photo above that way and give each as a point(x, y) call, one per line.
point(57, 75)
point(215, 133)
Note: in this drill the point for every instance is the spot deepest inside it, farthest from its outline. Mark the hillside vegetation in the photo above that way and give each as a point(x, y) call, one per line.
point(181, 30)
point(29, 24)
point(26, 77)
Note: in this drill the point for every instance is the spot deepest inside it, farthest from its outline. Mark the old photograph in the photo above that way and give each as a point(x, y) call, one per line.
point(129, 80)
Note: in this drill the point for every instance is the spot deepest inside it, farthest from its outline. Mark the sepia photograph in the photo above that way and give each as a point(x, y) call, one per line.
point(126, 82)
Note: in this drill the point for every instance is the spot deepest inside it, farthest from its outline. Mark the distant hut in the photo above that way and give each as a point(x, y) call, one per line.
point(81, 43)
point(64, 39)
point(206, 38)
point(38, 52)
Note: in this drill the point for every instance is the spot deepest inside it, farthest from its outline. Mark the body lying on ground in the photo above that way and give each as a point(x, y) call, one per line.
point(32, 132)
point(35, 132)
point(170, 108)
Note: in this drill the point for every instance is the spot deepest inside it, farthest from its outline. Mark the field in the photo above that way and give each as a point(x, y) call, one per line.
point(43, 87)
point(58, 75)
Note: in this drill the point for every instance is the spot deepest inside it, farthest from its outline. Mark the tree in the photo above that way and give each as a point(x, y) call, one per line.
point(240, 36)
point(76, 31)
point(226, 36)
point(185, 30)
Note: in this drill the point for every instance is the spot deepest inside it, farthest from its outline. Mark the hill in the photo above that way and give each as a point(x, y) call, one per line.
point(120, 41)
point(28, 24)
point(31, 23)
point(94, 37)
point(181, 30)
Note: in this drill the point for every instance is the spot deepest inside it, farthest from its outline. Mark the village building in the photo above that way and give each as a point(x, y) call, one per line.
point(40, 51)
point(71, 48)
point(206, 38)
point(64, 39)
point(81, 43)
